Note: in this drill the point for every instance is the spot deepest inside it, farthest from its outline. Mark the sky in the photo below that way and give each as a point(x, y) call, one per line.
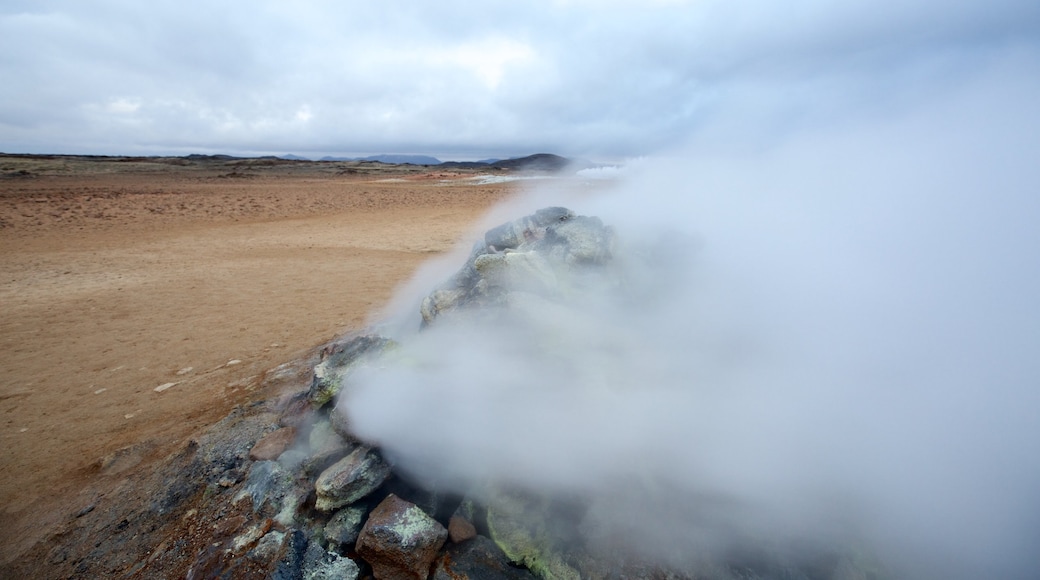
point(606, 80)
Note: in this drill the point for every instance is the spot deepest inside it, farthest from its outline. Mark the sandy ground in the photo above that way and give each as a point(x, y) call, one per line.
point(116, 282)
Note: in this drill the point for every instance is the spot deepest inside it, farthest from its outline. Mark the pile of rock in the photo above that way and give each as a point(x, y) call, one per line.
point(346, 499)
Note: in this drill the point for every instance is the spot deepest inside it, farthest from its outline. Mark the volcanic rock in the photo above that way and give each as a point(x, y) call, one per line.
point(400, 541)
point(477, 559)
point(337, 362)
point(320, 564)
point(521, 524)
point(273, 444)
point(548, 253)
point(350, 479)
point(460, 529)
point(343, 529)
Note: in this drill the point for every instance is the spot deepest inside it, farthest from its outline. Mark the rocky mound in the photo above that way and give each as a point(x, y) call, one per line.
point(285, 489)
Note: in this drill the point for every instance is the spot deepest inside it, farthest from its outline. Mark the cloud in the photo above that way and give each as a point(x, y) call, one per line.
point(612, 79)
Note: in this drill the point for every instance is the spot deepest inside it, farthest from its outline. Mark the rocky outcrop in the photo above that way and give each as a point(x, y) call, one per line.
point(552, 252)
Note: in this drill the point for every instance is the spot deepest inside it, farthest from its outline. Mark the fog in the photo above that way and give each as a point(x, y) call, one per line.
point(831, 333)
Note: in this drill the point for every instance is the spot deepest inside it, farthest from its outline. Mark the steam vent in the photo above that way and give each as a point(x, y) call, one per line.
point(286, 488)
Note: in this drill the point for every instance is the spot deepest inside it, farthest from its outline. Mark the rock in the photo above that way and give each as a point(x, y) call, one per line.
point(343, 529)
point(268, 547)
point(546, 253)
point(273, 444)
point(337, 362)
point(323, 438)
point(460, 529)
point(400, 541)
point(251, 536)
point(350, 479)
point(291, 566)
point(521, 524)
point(526, 229)
point(478, 559)
point(320, 564)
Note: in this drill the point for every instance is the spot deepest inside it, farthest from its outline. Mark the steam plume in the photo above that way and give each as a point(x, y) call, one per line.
point(838, 331)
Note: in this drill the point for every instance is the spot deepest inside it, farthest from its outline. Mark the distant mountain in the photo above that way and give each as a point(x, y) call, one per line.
point(391, 158)
point(536, 162)
point(199, 157)
point(292, 157)
point(464, 165)
point(401, 159)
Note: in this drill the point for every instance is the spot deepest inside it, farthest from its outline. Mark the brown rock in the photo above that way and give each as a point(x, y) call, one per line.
point(460, 530)
point(272, 445)
point(400, 541)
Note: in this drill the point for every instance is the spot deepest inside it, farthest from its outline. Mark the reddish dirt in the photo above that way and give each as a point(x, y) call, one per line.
point(115, 282)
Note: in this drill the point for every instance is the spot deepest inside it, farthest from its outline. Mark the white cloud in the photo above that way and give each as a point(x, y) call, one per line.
point(123, 105)
point(614, 79)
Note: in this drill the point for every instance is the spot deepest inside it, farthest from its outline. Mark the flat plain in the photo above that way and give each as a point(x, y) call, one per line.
point(143, 298)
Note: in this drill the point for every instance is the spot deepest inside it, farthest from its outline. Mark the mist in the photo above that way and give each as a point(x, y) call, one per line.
point(827, 331)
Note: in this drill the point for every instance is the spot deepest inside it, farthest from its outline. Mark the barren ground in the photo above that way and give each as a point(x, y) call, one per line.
point(120, 276)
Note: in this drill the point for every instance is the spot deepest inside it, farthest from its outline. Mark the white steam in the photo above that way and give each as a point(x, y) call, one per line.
point(842, 328)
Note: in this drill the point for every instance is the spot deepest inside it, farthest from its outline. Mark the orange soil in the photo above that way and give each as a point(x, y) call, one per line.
point(114, 284)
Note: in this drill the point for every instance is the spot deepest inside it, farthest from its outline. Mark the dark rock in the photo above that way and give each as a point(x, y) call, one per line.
point(350, 479)
point(291, 566)
point(275, 491)
point(341, 532)
point(477, 559)
point(273, 444)
point(400, 541)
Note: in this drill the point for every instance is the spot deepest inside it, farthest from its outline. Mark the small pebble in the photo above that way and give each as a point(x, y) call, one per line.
point(163, 387)
point(233, 361)
point(185, 370)
point(99, 391)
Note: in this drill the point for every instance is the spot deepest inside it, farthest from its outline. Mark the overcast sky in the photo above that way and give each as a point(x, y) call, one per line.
point(605, 79)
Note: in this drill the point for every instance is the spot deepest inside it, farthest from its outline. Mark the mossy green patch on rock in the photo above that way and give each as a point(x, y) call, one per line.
point(519, 524)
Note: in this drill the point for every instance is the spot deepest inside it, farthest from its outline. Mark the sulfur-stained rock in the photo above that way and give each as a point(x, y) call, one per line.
point(320, 564)
point(350, 479)
point(521, 525)
point(400, 541)
point(546, 253)
point(341, 532)
point(337, 362)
